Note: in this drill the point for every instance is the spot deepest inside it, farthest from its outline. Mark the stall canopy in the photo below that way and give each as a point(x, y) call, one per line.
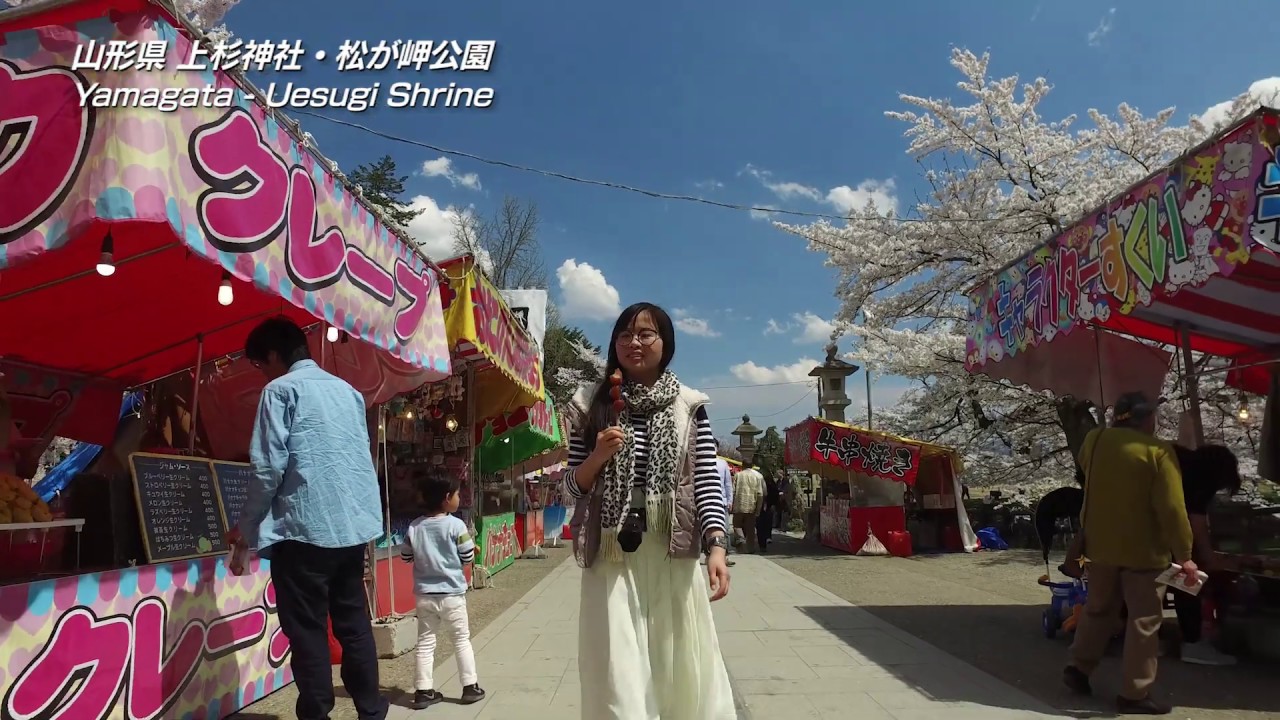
point(817, 445)
point(512, 438)
point(181, 203)
point(482, 330)
point(1189, 249)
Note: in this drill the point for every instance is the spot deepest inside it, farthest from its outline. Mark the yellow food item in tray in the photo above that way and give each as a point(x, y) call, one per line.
point(19, 503)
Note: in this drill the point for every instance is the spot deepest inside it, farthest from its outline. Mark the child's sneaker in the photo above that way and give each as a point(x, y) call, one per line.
point(426, 698)
point(472, 694)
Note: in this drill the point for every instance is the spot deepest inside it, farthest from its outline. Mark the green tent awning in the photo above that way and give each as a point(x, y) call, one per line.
point(517, 436)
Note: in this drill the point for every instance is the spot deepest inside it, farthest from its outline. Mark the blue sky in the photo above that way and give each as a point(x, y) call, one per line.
point(724, 99)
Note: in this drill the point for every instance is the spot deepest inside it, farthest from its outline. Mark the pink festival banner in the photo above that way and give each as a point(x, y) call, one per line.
point(182, 640)
point(190, 152)
point(1197, 220)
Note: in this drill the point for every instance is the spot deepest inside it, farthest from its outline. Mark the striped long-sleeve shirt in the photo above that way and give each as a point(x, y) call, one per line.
point(438, 546)
point(707, 493)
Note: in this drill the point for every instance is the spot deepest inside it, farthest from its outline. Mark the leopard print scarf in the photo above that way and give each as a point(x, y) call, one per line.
point(657, 403)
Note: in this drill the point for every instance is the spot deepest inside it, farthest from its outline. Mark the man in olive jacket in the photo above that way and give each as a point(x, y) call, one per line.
point(1134, 518)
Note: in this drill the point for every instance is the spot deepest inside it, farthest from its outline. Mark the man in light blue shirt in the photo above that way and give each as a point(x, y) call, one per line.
point(726, 483)
point(312, 507)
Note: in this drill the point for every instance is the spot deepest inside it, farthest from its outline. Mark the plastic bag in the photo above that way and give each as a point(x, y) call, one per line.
point(873, 546)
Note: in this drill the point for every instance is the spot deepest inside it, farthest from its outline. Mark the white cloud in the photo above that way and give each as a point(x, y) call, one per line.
point(433, 231)
point(696, 326)
point(443, 167)
point(1263, 92)
point(1104, 28)
point(813, 329)
point(809, 327)
point(786, 405)
point(687, 323)
point(879, 193)
point(709, 185)
point(753, 374)
point(433, 228)
point(585, 294)
point(784, 190)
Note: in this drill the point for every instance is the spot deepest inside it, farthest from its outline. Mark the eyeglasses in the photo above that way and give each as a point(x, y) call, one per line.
point(646, 338)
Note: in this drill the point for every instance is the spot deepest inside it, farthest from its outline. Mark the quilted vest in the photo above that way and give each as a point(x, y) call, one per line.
point(686, 529)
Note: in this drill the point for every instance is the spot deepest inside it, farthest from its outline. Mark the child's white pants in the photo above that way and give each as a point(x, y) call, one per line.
point(447, 613)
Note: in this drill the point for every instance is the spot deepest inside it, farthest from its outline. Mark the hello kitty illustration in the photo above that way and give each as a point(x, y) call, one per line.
point(1265, 235)
point(1050, 332)
point(1237, 157)
point(1102, 311)
point(1085, 311)
point(1181, 273)
point(1123, 216)
point(1144, 295)
point(1195, 207)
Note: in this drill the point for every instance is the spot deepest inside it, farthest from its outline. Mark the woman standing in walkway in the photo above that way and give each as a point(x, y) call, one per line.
point(647, 642)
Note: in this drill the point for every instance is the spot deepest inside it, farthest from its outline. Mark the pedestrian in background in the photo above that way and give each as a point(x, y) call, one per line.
point(726, 486)
point(1134, 518)
point(748, 501)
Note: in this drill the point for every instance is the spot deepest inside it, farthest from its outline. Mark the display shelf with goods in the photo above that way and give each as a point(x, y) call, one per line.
point(513, 417)
point(1187, 264)
point(872, 479)
point(421, 432)
point(123, 237)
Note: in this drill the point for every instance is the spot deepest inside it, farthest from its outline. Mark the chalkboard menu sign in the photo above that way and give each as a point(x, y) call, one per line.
point(178, 506)
point(233, 487)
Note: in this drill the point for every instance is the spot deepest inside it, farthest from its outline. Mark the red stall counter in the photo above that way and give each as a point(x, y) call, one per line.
point(845, 528)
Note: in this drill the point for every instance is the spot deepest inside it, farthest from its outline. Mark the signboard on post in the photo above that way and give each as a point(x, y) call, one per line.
point(496, 542)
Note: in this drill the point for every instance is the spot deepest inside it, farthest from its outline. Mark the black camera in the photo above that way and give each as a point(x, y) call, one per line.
point(632, 531)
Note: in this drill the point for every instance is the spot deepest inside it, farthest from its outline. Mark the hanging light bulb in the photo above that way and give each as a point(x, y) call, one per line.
point(408, 414)
point(225, 294)
point(1243, 412)
point(106, 261)
point(451, 423)
point(331, 334)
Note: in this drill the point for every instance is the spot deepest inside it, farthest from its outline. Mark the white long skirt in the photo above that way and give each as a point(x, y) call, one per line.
point(647, 645)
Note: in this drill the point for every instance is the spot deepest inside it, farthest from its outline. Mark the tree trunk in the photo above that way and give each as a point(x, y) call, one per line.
point(1077, 419)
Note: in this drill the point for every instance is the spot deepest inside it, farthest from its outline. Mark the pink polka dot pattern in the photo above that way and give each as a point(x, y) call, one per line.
point(138, 165)
point(222, 678)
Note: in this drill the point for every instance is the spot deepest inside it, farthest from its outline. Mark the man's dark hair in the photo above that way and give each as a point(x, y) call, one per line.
point(747, 465)
point(436, 488)
point(278, 335)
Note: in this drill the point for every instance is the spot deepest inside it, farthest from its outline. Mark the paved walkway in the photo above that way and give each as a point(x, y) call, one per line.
point(793, 650)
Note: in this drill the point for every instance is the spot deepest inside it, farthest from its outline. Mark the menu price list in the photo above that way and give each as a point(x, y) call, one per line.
point(233, 487)
point(179, 506)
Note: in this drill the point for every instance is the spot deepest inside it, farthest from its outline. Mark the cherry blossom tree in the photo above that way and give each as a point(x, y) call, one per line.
point(206, 15)
point(1001, 180)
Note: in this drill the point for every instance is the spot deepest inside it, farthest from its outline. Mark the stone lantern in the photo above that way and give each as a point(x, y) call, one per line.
point(747, 433)
point(831, 374)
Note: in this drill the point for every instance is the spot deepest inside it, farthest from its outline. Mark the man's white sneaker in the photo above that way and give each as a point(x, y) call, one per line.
point(1203, 653)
